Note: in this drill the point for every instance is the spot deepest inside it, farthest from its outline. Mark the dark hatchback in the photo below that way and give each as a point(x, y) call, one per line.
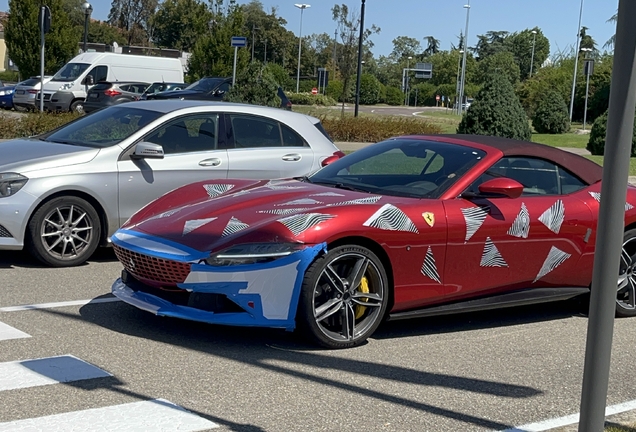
point(209, 88)
point(104, 94)
point(160, 87)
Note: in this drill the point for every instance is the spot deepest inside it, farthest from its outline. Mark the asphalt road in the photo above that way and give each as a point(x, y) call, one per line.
point(476, 372)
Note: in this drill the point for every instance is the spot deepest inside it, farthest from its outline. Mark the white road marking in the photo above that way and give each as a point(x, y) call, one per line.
point(58, 304)
point(570, 419)
point(7, 332)
point(45, 371)
point(155, 415)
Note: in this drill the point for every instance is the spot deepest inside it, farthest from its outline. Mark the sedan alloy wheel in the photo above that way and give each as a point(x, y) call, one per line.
point(626, 294)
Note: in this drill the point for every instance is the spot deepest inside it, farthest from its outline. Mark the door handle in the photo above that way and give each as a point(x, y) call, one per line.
point(292, 157)
point(210, 162)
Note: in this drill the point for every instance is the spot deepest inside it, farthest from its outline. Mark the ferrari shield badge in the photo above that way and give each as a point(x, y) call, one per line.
point(429, 218)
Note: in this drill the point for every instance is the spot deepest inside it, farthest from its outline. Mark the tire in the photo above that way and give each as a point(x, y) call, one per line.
point(77, 107)
point(64, 232)
point(626, 293)
point(343, 298)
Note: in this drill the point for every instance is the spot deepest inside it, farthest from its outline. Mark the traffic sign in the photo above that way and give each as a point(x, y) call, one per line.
point(443, 98)
point(437, 97)
point(314, 91)
point(239, 41)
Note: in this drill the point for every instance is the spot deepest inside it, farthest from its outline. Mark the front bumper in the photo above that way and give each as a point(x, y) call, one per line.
point(59, 101)
point(262, 295)
point(14, 211)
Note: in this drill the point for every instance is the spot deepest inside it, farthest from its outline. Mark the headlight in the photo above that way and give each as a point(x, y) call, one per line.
point(67, 86)
point(10, 183)
point(252, 253)
point(2, 93)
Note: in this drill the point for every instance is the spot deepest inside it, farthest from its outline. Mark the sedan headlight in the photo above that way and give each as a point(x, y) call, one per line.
point(252, 253)
point(10, 183)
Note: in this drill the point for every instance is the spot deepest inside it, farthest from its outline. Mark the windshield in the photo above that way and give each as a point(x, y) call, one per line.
point(70, 72)
point(205, 84)
point(401, 167)
point(103, 128)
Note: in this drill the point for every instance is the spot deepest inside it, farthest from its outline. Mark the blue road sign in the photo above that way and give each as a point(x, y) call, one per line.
point(239, 41)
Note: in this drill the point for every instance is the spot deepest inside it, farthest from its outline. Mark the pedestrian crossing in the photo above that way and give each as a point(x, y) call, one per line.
point(156, 415)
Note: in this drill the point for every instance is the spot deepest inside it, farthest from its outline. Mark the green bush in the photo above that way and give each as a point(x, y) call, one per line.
point(370, 89)
point(373, 129)
point(310, 99)
point(496, 111)
point(596, 143)
point(33, 124)
point(393, 96)
point(9, 76)
point(552, 115)
point(255, 85)
point(334, 90)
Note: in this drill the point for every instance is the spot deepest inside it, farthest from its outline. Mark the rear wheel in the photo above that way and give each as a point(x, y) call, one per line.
point(344, 297)
point(64, 232)
point(77, 107)
point(626, 293)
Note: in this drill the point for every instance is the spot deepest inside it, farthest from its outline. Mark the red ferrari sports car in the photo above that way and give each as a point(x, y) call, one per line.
point(409, 227)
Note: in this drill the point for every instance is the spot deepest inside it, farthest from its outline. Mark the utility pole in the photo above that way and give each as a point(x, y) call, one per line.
point(254, 28)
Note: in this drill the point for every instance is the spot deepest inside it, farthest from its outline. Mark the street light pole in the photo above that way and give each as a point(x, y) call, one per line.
point(576, 62)
point(534, 39)
point(463, 79)
point(459, 59)
point(302, 8)
point(405, 80)
point(359, 59)
point(587, 87)
point(254, 28)
point(88, 9)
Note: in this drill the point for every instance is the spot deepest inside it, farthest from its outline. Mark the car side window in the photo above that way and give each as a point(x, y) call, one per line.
point(99, 73)
point(253, 131)
point(291, 138)
point(223, 88)
point(569, 182)
point(189, 134)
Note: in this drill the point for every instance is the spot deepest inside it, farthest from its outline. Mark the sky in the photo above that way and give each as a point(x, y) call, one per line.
point(444, 19)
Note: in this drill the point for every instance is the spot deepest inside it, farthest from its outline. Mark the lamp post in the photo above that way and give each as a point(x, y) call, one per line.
point(534, 39)
point(459, 59)
point(587, 86)
point(302, 8)
point(254, 28)
point(359, 59)
point(88, 9)
point(463, 78)
point(576, 62)
point(405, 80)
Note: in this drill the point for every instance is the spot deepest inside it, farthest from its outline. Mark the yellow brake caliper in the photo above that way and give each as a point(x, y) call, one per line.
point(364, 288)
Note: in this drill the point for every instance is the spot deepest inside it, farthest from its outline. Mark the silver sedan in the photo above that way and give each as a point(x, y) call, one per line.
point(62, 194)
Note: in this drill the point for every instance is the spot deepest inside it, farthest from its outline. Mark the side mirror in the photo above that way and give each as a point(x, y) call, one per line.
point(502, 186)
point(147, 150)
point(89, 80)
point(219, 92)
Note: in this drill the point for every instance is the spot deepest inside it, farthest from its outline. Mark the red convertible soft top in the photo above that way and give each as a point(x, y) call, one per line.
point(583, 168)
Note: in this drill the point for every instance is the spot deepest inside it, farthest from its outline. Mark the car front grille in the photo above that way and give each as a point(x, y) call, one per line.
point(4, 232)
point(155, 271)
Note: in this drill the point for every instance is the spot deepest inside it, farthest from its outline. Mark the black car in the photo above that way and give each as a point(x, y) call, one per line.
point(159, 87)
point(208, 88)
point(285, 103)
point(105, 94)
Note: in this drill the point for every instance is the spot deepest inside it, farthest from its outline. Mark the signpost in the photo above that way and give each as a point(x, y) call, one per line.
point(44, 20)
point(314, 91)
point(237, 42)
point(589, 70)
point(437, 100)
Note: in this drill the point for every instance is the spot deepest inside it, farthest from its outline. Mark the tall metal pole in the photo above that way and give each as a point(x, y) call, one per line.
point(534, 39)
point(576, 62)
point(405, 80)
point(234, 67)
point(302, 8)
point(587, 91)
point(265, 54)
point(42, 13)
point(459, 59)
point(355, 114)
point(620, 127)
point(463, 79)
point(253, 39)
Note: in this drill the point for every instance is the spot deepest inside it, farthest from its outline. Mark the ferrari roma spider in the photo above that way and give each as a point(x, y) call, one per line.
point(409, 227)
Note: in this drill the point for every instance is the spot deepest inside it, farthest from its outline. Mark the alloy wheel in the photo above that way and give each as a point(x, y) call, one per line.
point(66, 231)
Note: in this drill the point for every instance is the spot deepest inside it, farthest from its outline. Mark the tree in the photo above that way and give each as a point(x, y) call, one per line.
point(404, 46)
point(552, 115)
point(178, 24)
point(370, 89)
point(433, 46)
point(496, 111)
point(255, 85)
point(22, 36)
point(610, 42)
point(490, 43)
point(502, 62)
point(133, 16)
point(104, 33)
point(596, 143)
point(520, 45)
point(446, 64)
point(586, 40)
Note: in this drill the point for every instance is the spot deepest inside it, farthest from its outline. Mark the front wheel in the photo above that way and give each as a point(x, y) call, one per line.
point(77, 107)
point(344, 297)
point(64, 232)
point(626, 293)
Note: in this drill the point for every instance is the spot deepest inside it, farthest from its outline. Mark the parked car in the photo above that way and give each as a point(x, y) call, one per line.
point(467, 104)
point(65, 192)
point(159, 87)
point(26, 91)
point(410, 227)
point(6, 96)
point(106, 93)
point(285, 103)
point(208, 88)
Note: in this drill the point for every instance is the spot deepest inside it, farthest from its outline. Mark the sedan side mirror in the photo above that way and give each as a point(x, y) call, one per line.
point(147, 150)
point(502, 186)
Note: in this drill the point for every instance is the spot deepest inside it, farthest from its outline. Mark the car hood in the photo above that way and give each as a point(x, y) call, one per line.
point(23, 155)
point(174, 94)
point(209, 216)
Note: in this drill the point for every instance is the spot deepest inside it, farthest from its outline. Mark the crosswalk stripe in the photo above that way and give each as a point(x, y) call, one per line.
point(7, 332)
point(45, 371)
point(58, 304)
point(157, 415)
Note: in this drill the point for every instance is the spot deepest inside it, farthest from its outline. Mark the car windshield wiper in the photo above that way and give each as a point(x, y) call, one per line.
point(340, 185)
point(305, 179)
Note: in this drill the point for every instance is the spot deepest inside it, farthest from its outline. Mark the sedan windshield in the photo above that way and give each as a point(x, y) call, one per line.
point(401, 167)
point(70, 72)
point(205, 84)
point(103, 128)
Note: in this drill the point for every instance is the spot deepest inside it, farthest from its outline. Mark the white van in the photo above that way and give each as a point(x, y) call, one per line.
point(67, 89)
